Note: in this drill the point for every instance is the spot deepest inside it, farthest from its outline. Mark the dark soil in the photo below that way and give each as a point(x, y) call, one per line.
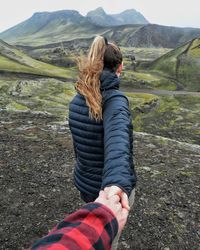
point(36, 164)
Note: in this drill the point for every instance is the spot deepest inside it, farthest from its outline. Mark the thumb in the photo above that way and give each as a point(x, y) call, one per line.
point(125, 201)
point(124, 216)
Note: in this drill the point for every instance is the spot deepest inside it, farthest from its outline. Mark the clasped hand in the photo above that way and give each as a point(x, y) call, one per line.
point(114, 190)
point(117, 200)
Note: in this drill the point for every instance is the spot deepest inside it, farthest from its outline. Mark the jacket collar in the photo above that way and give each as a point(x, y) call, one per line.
point(109, 80)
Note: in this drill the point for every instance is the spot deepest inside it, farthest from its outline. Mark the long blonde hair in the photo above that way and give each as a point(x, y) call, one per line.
point(88, 83)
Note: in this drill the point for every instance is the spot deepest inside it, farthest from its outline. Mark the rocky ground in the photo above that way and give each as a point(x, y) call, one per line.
point(36, 164)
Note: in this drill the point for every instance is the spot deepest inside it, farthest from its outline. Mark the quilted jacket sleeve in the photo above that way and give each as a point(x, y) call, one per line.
point(118, 144)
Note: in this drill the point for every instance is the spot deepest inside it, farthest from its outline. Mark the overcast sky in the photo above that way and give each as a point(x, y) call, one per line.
point(183, 13)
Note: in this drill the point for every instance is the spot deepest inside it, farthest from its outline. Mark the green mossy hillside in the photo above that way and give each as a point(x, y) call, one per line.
point(175, 116)
point(183, 64)
point(13, 60)
point(146, 80)
point(44, 95)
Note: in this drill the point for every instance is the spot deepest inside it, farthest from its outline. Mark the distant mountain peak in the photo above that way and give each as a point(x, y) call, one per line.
point(100, 9)
point(131, 16)
point(99, 17)
point(129, 11)
point(97, 11)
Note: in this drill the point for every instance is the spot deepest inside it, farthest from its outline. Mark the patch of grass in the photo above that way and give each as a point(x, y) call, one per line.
point(146, 76)
point(13, 106)
point(138, 99)
point(7, 64)
point(173, 117)
point(144, 54)
point(49, 95)
point(168, 104)
point(194, 50)
point(146, 80)
point(140, 102)
point(188, 73)
point(187, 173)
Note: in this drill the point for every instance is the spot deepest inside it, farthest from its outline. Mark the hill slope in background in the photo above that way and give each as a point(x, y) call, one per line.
point(182, 63)
point(68, 25)
point(100, 17)
point(153, 35)
point(13, 60)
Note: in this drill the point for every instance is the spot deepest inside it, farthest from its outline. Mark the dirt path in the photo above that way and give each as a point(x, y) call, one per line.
point(36, 165)
point(162, 92)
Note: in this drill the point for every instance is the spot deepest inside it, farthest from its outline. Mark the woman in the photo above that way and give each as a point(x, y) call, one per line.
point(101, 126)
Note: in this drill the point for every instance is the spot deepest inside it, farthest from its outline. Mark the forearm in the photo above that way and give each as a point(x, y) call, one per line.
point(118, 144)
point(118, 163)
point(83, 229)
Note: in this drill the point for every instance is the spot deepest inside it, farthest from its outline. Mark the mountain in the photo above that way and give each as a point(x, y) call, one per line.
point(39, 20)
point(65, 25)
point(182, 63)
point(130, 17)
point(153, 35)
point(69, 26)
point(13, 60)
point(47, 27)
point(100, 17)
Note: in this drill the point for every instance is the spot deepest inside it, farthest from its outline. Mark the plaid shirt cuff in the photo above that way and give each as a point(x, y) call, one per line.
point(94, 226)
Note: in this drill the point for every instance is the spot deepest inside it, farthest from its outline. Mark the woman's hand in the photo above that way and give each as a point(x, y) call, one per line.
point(114, 190)
point(114, 204)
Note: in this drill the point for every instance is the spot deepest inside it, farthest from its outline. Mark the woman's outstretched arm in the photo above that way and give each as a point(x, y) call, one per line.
point(118, 145)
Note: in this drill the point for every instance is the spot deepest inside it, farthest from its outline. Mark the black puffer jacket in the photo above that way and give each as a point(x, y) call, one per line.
point(104, 150)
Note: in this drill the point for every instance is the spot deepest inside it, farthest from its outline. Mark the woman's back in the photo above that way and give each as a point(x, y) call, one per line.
point(88, 146)
point(94, 147)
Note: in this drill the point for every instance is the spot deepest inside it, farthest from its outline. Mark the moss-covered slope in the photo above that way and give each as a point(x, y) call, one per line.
point(183, 64)
point(13, 60)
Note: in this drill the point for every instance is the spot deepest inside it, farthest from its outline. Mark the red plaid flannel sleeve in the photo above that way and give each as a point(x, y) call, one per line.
point(92, 227)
